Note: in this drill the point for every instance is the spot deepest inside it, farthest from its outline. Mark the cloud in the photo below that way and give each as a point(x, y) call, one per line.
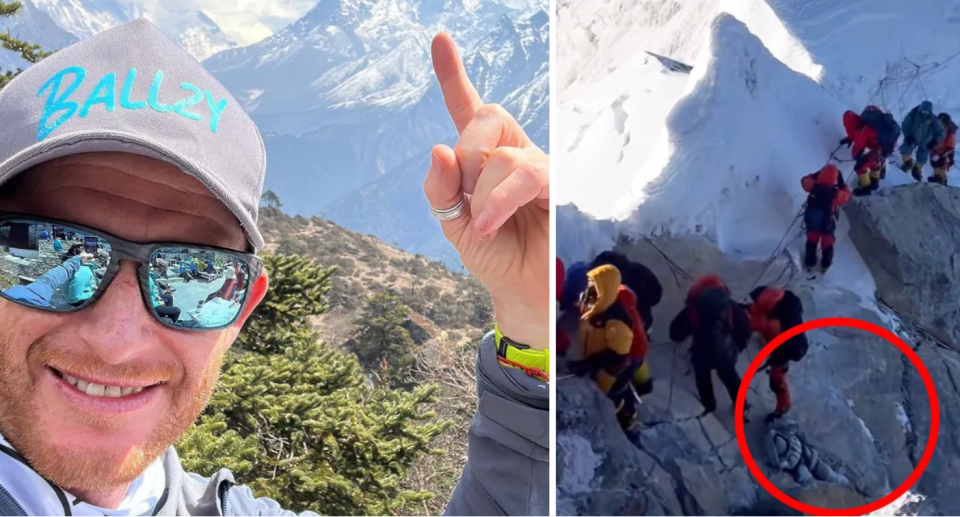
point(247, 21)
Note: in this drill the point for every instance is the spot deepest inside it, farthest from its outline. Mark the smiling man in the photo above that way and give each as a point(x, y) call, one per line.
point(131, 150)
point(124, 146)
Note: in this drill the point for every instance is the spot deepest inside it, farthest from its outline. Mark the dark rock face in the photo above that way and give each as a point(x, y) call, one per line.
point(909, 236)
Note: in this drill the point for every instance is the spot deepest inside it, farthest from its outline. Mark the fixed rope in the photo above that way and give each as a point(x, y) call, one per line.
point(675, 268)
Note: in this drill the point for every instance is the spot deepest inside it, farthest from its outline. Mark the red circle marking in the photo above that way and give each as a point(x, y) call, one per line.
point(873, 329)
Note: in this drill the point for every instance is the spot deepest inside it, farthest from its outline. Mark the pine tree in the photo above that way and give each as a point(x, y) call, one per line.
point(271, 199)
point(298, 289)
point(299, 422)
point(382, 342)
point(29, 52)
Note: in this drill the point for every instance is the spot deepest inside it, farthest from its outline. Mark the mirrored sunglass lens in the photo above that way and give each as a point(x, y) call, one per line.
point(50, 266)
point(200, 289)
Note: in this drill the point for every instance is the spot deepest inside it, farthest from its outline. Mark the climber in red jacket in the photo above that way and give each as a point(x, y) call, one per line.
point(873, 135)
point(774, 311)
point(828, 192)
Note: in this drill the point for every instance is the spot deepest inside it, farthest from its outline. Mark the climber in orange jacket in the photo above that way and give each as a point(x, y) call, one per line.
point(773, 311)
point(828, 193)
point(606, 332)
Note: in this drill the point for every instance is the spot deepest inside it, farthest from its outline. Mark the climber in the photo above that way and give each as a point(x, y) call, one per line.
point(786, 449)
point(563, 338)
point(774, 311)
point(639, 279)
point(720, 330)
point(921, 131)
point(828, 192)
point(573, 285)
point(943, 153)
point(607, 338)
point(874, 130)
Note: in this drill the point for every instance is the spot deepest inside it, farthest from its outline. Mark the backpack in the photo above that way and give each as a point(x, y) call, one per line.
point(822, 198)
point(884, 125)
point(789, 311)
point(711, 317)
point(949, 126)
point(636, 276)
point(626, 297)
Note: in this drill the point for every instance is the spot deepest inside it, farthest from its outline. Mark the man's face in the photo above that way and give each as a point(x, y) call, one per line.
point(76, 440)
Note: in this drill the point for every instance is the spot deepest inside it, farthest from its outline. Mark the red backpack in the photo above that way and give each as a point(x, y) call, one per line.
point(627, 298)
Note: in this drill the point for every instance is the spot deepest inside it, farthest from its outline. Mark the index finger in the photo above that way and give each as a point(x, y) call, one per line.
point(459, 94)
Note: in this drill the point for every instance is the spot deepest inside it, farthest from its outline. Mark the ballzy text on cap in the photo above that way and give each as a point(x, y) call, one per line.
point(132, 89)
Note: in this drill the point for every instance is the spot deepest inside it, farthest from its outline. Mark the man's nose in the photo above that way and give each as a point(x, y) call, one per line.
point(118, 326)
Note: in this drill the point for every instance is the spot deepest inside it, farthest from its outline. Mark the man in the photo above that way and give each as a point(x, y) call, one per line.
point(774, 311)
point(922, 131)
point(126, 137)
point(873, 135)
point(607, 333)
point(41, 291)
point(943, 154)
point(569, 292)
point(828, 192)
point(720, 331)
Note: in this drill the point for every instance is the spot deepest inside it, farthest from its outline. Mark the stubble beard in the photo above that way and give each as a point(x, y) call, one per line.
point(91, 469)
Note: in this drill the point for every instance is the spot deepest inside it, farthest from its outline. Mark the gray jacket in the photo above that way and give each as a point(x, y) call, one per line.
point(507, 470)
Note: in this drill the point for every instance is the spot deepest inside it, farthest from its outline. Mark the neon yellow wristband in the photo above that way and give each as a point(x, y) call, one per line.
point(520, 353)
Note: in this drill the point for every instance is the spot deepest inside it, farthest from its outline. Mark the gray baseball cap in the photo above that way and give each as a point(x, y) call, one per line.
point(131, 89)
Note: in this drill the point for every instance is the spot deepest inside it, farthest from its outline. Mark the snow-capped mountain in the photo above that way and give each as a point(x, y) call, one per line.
point(347, 100)
point(84, 18)
point(194, 29)
point(346, 97)
point(33, 25)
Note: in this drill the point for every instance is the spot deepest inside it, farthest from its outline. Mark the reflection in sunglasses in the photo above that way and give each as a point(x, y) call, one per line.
point(59, 268)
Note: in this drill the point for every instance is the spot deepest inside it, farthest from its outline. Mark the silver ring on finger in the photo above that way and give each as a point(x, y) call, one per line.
point(452, 213)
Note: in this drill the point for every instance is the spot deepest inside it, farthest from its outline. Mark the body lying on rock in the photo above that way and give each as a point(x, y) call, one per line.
point(786, 450)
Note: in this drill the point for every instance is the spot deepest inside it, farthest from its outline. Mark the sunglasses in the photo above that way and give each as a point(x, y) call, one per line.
point(59, 266)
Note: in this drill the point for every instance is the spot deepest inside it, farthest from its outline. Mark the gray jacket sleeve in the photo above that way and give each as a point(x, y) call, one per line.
point(508, 458)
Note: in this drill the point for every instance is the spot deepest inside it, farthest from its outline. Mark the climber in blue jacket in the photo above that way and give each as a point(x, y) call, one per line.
point(922, 130)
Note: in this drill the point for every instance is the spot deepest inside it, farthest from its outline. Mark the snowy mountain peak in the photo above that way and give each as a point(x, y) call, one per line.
point(335, 13)
point(193, 29)
point(207, 21)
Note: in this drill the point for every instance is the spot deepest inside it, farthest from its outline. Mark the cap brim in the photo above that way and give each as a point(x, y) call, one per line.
point(109, 141)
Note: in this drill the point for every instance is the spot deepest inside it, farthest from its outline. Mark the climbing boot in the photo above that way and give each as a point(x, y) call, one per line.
point(907, 163)
point(862, 191)
point(874, 184)
point(915, 172)
point(774, 416)
point(939, 176)
point(826, 260)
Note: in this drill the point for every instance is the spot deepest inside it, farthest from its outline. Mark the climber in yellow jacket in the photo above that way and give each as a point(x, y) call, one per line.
point(607, 338)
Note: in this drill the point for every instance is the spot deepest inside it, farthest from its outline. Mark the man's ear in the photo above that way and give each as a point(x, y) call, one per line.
point(257, 291)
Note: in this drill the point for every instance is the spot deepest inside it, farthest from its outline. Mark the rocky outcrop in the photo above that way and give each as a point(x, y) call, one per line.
point(910, 238)
point(855, 397)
